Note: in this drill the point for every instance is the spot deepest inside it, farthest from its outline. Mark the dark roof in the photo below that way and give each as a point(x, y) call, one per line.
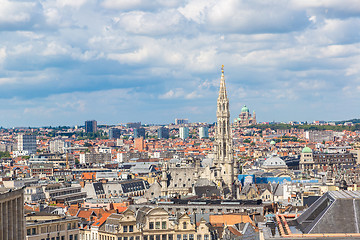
point(334, 212)
point(98, 187)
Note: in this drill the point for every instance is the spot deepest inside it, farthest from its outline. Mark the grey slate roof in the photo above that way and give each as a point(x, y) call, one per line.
point(334, 212)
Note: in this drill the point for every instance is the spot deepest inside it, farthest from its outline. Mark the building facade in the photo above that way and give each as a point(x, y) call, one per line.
point(114, 133)
point(183, 132)
point(41, 226)
point(27, 143)
point(224, 171)
point(12, 224)
point(245, 118)
point(91, 126)
point(326, 161)
point(139, 133)
point(163, 133)
point(203, 132)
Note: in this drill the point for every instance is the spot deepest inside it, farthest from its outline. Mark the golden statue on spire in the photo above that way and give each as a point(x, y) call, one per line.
point(222, 68)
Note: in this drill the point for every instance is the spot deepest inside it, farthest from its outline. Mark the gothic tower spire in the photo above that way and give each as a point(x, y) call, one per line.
point(224, 173)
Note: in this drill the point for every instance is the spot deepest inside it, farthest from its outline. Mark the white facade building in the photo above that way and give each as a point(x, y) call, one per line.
point(184, 132)
point(27, 143)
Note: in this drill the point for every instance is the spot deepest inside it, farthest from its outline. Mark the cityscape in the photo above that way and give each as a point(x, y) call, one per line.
point(179, 120)
point(228, 180)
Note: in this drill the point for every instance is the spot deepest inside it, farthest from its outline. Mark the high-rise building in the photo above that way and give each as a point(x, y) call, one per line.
point(224, 171)
point(139, 132)
point(203, 132)
point(139, 144)
point(163, 133)
point(114, 133)
point(12, 221)
point(91, 126)
point(27, 143)
point(181, 121)
point(184, 132)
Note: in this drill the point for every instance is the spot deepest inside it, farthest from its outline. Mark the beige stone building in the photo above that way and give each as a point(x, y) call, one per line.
point(245, 118)
point(45, 226)
point(12, 224)
point(146, 224)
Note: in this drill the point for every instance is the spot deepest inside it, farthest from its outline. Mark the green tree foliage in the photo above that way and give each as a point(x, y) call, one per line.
point(282, 126)
point(5, 154)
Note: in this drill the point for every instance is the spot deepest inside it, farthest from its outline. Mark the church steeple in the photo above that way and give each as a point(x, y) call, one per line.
point(223, 162)
point(222, 91)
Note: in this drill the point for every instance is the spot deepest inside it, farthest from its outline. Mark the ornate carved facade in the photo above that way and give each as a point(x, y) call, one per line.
point(224, 171)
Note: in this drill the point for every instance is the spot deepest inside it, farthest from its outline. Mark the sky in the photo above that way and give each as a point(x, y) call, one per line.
point(63, 62)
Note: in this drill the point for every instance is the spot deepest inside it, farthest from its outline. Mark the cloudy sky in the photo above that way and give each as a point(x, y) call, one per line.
point(63, 62)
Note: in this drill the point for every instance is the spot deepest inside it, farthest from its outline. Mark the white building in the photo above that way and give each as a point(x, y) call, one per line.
point(203, 132)
point(27, 143)
point(184, 132)
point(58, 146)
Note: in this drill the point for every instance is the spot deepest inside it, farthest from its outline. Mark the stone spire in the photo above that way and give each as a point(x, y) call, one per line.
point(224, 174)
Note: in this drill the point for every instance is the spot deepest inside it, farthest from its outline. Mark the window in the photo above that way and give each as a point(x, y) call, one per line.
point(131, 228)
point(125, 228)
point(28, 231)
point(184, 225)
point(53, 238)
point(163, 237)
point(185, 237)
point(137, 238)
point(206, 237)
point(191, 236)
point(69, 226)
point(157, 225)
point(151, 225)
point(178, 237)
point(75, 237)
point(33, 231)
point(119, 238)
point(151, 237)
point(163, 225)
point(145, 237)
point(125, 238)
point(170, 237)
point(71, 237)
point(198, 237)
point(157, 237)
point(62, 237)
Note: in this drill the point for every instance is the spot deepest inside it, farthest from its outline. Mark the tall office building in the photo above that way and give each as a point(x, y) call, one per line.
point(181, 121)
point(184, 132)
point(203, 132)
point(114, 133)
point(91, 126)
point(163, 133)
point(139, 132)
point(12, 222)
point(27, 143)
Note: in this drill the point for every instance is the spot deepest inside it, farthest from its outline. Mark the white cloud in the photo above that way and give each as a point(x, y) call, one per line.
point(174, 49)
point(2, 54)
point(15, 11)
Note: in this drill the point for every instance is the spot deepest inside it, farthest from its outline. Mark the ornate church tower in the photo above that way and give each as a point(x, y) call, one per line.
point(224, 173)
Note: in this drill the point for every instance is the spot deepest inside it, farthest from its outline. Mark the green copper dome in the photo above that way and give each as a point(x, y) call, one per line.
point(244, 109)
point(306, 150)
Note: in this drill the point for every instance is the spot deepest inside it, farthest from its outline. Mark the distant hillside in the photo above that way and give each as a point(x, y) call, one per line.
point(355, 120)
